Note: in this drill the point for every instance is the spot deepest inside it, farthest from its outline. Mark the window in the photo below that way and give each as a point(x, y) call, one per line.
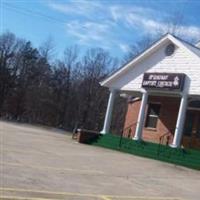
point(152, 115)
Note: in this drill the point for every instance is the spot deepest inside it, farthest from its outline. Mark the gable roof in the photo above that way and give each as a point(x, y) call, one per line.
point(193, 48)
point(167, 37)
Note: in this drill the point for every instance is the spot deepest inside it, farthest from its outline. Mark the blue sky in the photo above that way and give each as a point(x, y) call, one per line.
point(109, 24)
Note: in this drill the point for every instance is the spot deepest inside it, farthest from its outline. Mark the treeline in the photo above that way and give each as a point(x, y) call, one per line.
point(62, 93)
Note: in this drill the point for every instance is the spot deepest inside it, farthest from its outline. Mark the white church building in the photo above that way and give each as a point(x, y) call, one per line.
point(163, 87)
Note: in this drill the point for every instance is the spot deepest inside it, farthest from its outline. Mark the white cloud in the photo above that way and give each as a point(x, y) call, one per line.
point(110, 25)
point(88, 32)
point(121, 11)
point(187, 32)
point(115, 12)
point(192, 32)
point(82, 7)
point(124, 47)
point(140, 19)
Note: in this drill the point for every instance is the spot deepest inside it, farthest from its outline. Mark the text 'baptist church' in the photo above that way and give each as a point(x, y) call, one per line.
point(168, 81)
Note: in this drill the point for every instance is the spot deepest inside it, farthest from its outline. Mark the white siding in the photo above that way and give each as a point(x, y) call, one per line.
point(182, 61)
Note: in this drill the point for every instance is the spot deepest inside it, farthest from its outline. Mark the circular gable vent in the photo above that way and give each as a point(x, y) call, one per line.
point(169, 49)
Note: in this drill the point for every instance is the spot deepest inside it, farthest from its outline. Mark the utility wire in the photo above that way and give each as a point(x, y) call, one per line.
point(28, 12)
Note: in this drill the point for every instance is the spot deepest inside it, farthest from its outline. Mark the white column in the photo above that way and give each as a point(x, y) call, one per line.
point(180, 122)
point(141, 117)
point(108, 116)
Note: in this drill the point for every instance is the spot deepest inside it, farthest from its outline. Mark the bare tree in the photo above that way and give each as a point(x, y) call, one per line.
point(69, 61)
point(8, 47)
point(47, 49)
point(172, 24)
point(61, 93)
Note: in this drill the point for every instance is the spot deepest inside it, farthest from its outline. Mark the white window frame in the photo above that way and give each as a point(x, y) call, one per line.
point(157, 116)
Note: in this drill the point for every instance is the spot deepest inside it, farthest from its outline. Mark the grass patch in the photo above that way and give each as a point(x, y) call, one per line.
point(185, 157)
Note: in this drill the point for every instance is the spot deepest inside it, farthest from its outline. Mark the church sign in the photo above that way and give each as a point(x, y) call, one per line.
point(170, 81)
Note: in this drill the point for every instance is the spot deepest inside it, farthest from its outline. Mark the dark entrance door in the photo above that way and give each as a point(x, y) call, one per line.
point(191, 138)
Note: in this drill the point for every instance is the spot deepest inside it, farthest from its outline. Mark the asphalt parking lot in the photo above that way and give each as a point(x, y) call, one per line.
point(39, 163)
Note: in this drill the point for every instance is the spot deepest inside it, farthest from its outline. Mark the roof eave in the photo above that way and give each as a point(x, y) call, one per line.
point(138, 58)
